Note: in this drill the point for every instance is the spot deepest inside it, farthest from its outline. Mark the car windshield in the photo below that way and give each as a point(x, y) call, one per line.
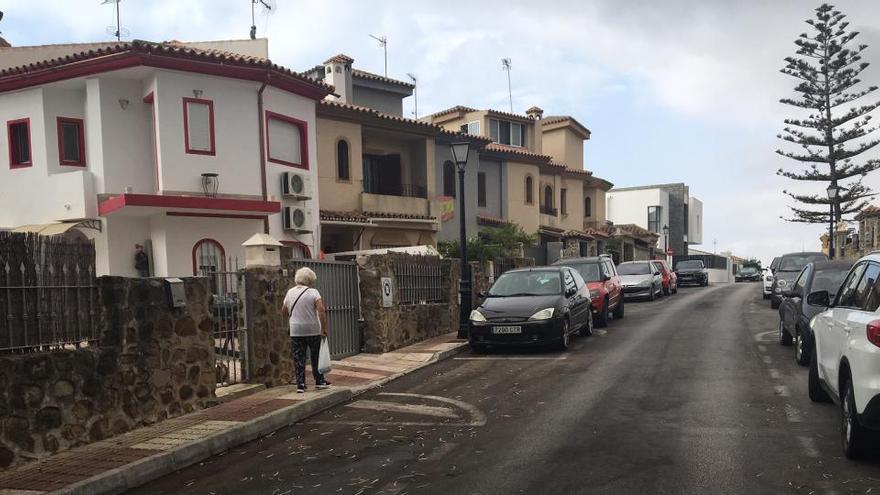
point(796, 262)
point(829, 279)
point(634, 269)
point(537, 283)
point(590, 271)
point(749, 270)
point(689, 264)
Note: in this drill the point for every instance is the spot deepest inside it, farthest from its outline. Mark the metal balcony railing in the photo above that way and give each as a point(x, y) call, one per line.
point(405, 190)
point(546, 210)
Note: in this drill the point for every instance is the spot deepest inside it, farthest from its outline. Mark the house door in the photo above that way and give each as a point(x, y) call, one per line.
point(382, 175)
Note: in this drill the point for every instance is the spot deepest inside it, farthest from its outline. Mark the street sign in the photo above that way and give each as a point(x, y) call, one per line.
point(387, 298)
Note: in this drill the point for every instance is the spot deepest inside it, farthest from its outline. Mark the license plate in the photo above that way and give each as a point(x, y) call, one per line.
point(503, 330)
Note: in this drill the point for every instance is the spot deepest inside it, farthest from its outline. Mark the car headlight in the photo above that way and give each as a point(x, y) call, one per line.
point(645, 283)
point(781, 283)
point(594, 293)
point(544, 314)
point(477, 316)
point(769, 279)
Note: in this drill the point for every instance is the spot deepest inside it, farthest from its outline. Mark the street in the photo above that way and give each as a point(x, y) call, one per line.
point(687, 394)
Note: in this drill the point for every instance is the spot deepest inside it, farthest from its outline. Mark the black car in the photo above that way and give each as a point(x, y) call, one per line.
point(790, 265)
point(748, 274)
point(692, 272)
point(532, 306)
point(794, 311)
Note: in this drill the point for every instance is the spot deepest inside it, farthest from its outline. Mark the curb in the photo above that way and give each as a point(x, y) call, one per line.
point(143, 471)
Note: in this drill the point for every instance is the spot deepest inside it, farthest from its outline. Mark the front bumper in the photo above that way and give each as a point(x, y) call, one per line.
point(692, 279)
point(637, 292)
point(767, 290)
point(533, 332)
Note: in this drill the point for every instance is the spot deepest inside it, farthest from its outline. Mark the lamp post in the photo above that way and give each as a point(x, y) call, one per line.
point(666, 242)
point(833, 193)
point(460, 155)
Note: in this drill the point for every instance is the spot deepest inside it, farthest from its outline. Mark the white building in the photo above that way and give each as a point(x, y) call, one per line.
point(113, 140)
point(657, 206)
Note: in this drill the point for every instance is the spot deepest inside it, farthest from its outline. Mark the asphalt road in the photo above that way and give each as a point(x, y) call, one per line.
point(687, 394)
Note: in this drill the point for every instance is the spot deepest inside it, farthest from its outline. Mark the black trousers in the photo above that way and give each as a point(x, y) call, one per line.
point(313, 342)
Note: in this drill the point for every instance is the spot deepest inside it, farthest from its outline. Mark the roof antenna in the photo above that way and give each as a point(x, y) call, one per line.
point(383, 42)
point(415, 93)
point(268, 8)
point(506, 65)
point(118, 31)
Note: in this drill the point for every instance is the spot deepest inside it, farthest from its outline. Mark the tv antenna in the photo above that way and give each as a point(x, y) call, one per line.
point(383, 42)
point(118, 31)
point(415, 93)
point(506, 65)
point(267, 7)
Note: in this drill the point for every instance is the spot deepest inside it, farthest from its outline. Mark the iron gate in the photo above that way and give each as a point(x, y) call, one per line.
point(230, 331)
point(338, 285)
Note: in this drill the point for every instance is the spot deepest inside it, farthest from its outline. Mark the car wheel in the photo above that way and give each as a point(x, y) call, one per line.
point(602, 316)
point(618, 311)
point(784, 336)
point(566, 337)
point(587, 329)
point(653, 294)
point(801, 349)
point(852, 434)
point(817, 393)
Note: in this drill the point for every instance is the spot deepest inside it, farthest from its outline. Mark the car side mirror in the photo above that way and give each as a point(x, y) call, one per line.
point(482, 294)
point(606, 278)
point(791, 293)
point(570, 292)
point(819, 298)
point(656, 273)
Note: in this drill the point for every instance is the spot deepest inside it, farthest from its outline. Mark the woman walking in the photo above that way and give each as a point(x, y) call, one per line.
point(304, 309)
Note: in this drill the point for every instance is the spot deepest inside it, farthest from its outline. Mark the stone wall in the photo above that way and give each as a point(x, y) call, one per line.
point(271, 362)
point(151, 363)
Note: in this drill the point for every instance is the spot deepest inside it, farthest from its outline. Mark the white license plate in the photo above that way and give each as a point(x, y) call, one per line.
point(502, 330)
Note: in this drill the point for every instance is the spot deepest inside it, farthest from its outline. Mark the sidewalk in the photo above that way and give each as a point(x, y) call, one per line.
point(126, 461)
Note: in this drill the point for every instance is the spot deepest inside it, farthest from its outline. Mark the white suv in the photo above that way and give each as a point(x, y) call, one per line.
point(767, 280)
point(845, 360)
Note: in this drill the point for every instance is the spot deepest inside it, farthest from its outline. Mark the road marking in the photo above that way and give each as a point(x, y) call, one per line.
point(767, 359)
point(479, 419)
point(767, 336)
point(792, 414)
point(373, 405)
point(774, 373)
point(762, 348)
point(510, 358)
point(464, 413)
point(809, 446)
point(781, 390)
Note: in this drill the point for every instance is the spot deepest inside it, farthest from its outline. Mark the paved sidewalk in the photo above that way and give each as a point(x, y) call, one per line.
point(126, 461)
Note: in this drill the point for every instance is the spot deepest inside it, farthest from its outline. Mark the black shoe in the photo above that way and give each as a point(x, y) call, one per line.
point(322, 385)
point(300, 389)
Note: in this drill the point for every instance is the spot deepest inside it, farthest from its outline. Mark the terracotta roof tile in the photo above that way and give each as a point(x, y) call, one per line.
point(491, 221)
point(558, 119)
point(868, 211)
point(456, 108)
point(375, 113)
point(376, 77)
point(516, 150)
point(578, 234)
point(340, 58)
point(343, 216)
point(402, 216)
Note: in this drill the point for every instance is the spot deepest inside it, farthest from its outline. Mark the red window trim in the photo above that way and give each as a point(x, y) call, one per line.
point(30, 162)
point(196, 248)
point(81, 136)
point(303, 127)
point(210, 103)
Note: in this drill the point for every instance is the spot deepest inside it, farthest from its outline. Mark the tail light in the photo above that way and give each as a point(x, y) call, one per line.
point(874, 332)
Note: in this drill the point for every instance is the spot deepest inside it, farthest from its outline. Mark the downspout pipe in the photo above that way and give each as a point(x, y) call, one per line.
point(261, 131)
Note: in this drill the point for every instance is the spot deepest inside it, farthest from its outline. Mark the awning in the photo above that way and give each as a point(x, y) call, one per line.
point(58, 228)
point(149, 204)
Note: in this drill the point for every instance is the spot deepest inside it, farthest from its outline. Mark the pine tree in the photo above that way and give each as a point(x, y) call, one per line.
point(828, 65)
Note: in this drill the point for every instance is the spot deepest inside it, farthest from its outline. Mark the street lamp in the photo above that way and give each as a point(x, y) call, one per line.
point(833, 194)
point(460, 155)
point(666, 242)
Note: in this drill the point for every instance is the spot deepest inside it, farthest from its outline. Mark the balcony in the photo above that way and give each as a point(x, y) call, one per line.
point(547, 210)
point(403, 190)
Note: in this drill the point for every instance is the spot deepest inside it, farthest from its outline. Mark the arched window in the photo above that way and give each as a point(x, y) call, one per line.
point(548, 197)
point(449, 179)
point(529, 187)
point(342, 164)
point(208, 257)
point(588, 207)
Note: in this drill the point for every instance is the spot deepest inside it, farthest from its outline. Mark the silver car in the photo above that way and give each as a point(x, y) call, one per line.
point(640, 279)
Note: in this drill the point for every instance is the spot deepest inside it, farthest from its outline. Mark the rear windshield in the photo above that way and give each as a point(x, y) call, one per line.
point(829, 279)
point(634, 269)
point(749, 270)
point(796, 262)
point(527, 284)
point(689, 264)
point(590, 271)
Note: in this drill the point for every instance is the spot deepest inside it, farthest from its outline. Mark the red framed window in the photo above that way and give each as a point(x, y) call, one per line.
point(198, 126)
point(19, 137)
point(287, 140)
point(208, 258)
point(71, 142)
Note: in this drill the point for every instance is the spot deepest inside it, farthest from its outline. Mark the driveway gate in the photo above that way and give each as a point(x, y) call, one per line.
point(338, 285)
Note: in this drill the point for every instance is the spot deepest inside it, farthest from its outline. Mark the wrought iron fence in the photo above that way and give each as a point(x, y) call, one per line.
point(504, 264)
point(47, 293)
point(419, 283)
point(230, 332)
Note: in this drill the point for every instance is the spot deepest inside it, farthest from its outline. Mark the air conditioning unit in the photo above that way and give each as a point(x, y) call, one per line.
point(296, 219)
point(296, 185)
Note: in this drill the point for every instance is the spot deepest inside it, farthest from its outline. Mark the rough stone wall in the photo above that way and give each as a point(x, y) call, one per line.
point(152, 363)
point(387, 329)
point(271, 361)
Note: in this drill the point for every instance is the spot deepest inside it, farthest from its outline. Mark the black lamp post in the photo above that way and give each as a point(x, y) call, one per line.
point(460, 155)
point(833, 194)
point(666, 242)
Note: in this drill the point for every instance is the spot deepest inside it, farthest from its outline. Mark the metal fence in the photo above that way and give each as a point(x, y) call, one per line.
point(338, 285)
point(710, 261)
point(504, 264)
point(227, 308)
point(419, 283)
point(47, 292)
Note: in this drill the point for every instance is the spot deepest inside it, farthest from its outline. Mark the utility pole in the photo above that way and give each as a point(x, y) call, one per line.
point(383, 42)
point(506, 64)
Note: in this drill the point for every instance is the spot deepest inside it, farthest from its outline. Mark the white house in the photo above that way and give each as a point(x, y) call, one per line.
point(656, 206)
point(114, 140)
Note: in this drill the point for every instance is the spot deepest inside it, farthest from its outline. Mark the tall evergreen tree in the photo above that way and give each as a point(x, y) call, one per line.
point(827, 65)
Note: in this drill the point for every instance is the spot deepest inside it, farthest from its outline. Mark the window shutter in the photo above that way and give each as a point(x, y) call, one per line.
point(285, 141)
point(198, 120)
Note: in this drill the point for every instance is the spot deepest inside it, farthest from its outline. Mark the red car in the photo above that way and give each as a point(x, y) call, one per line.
point(606, 291)
point(670, 279)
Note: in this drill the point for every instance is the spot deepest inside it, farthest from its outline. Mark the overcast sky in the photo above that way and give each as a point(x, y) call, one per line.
point(673, 91)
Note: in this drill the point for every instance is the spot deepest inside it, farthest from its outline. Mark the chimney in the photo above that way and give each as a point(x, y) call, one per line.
point(337, 73)
point(4, 43)
point(535, 113)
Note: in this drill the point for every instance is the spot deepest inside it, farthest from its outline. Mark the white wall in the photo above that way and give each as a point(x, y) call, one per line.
point(695, 221)
point(631, 207)
point(182, 233)
point(126, 143)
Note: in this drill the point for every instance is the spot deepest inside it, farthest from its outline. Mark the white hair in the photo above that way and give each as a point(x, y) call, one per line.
point(305, 276)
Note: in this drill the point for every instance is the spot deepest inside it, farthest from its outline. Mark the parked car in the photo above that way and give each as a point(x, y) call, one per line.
point(774, 264)
point(670, 280)
point(606, 291)
point(790, 265)
point(845, 358)
point(748, 274)
point(795, 312)
point(692, 272)
point(640, 279)
point(532, 306)
point(767, 283)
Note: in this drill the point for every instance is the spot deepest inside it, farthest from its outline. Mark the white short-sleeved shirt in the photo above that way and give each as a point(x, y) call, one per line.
point(304, 320)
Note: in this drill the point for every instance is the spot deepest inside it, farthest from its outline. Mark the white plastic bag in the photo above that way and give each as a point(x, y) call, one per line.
point(324, 357)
